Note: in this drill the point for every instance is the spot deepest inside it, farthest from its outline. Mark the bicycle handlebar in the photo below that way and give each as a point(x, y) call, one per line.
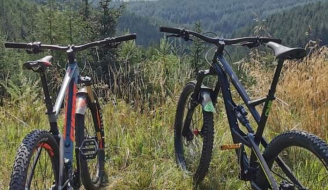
point(38, 45)
point(170, 30)
point(185, 33)
point(33, 45)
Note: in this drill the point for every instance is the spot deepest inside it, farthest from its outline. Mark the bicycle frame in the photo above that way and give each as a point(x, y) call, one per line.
point(68, 91)
point(223, 70)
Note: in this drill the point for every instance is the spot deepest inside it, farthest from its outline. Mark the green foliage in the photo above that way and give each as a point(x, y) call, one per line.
point(61, 26)
point(197, 50)
point(24, 96)
point(102, 22)
point(56, 23)
point(13, 18)
point(145, 27)
point(146, 78)
point(106, 18)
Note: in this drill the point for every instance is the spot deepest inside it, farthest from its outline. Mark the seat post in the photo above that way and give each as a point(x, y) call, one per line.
point(275, 80)
point(47, 98)
point(268, 102)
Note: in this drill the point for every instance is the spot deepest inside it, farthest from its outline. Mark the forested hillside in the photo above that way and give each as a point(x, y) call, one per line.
point(225, 18)
point(146, 28)
point(221, 17)
point(296, 27)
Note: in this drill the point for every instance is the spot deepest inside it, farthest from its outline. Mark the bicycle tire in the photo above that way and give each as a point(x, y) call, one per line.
point(207, 133)
point(21, 178)
point(294, 147)
point(91, 182)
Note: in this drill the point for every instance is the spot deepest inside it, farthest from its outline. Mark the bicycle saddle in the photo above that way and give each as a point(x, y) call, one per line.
point(38, 65)
point(283, 52)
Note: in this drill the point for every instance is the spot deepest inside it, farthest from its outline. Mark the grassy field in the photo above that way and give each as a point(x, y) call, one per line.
point(140, 153)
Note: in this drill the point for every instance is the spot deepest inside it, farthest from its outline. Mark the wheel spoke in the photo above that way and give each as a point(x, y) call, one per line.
point(33, 166)
point(193, 149)
point(38, 175)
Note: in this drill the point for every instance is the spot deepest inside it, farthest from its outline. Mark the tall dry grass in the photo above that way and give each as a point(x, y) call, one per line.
point(303, 95)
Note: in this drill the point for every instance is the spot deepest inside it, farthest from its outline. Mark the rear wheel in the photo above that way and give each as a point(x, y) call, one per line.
point(89, 126)
point(306, 156)
point(37, 162)
point(194, 144)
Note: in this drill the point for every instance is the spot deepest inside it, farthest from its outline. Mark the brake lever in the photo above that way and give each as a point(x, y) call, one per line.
point(112, 45)
point(34, 50)
point(251, 45)
point(173, 35)
point(185, 37)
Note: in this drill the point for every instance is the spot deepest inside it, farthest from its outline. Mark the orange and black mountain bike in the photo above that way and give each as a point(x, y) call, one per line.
point(49, 159)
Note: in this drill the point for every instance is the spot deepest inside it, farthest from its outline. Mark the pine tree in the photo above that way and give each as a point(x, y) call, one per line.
point(197, 50)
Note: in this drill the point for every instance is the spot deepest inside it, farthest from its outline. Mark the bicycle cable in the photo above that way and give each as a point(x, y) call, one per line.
point(228, 55)
point(207, 55)
point(210, 48)
point(213, 48)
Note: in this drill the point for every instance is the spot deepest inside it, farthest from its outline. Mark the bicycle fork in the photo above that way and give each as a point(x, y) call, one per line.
point(202, 95)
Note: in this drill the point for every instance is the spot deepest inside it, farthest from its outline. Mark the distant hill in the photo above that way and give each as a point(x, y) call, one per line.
point(146, 28)
point(218, 16)
point(96, 2)
point(301, 20)
point(298, 25)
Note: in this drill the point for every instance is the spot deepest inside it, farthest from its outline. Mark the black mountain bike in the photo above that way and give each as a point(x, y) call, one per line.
point(292, 160)
point(45, 159)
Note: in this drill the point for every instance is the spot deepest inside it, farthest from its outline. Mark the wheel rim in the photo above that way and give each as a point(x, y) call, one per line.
point(40, 173)
point(309, 170)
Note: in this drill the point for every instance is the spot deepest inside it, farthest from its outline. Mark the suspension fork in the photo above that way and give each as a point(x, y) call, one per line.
point(203, 95)
point(186, 132)
point(81, 106)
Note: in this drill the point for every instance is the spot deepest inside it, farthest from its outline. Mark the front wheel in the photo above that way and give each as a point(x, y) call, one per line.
point(306, 158)
point(89, 128)
point(37, 163)
point(194, 142)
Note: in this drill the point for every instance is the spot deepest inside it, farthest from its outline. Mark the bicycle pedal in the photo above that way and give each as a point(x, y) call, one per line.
point(89, 149)
point(230, 146)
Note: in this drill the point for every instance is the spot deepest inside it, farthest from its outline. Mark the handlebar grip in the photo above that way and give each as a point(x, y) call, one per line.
point(170, 30)
point(16, 45)
point(126, 38)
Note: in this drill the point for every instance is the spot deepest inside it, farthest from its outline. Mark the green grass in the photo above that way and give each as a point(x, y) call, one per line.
point(139, 153)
